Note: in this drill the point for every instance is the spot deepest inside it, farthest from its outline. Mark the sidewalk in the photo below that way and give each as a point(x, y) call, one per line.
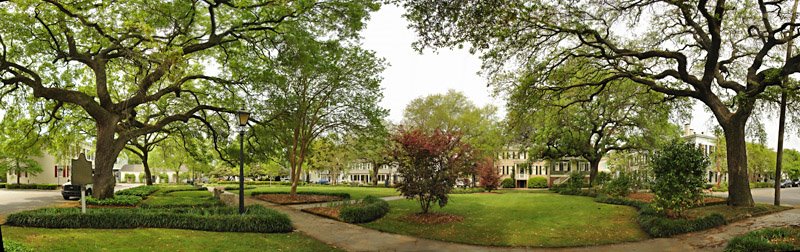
point(356, 238)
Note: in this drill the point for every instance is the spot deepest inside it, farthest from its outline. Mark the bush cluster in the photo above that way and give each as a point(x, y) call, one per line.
point(761, 185)
point(619, 187)
point(759, 240)
point(467, 190)
point(141, 191)
point(117, 200)
point(236, 187)
point(370, 209)
point(223, 219)
point(658, 225)
point(170, 189)
point(2, 185)
point(537, 182)
point(336, 194)
point(679, 170)
point(723, 187)
point(508, 183)
point(130, 178)
point(33, 186)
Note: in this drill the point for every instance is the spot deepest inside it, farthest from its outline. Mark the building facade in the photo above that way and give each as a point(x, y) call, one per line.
point(516, 164)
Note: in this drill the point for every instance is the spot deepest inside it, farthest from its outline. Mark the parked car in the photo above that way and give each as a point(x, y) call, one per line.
point(787, 183)
point(796, 182)
point(69, 190)
point(323, 181)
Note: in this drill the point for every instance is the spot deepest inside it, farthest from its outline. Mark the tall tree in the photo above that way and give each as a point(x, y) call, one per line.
point(318, 87)
point(111, 59)
point(142, 147)
point(587, 122)
point(19, 144)
point(374, 146)
point(333, 154)
point(721, 53)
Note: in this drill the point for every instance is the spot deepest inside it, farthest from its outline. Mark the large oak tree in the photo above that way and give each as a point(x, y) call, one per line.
point(109, 59)
point(722, 53)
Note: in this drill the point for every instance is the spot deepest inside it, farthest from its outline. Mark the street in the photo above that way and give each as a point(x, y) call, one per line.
point(789, 196)
point(18, 200)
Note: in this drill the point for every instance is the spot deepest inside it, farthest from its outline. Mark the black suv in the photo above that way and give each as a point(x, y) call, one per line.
point(69, 190)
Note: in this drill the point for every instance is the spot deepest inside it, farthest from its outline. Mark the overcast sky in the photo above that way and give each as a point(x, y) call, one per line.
point(411, 74)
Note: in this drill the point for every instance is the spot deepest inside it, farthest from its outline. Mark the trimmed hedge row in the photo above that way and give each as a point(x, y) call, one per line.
point(258, 183)
point(171, 189)
point(183, 205)
point(2, 185)
point(467, 190)
point(33, 186)
point(537, 182)
point(508, 183)
point(658, 225)
point(236, 187)
point(117, 200)
point(336, 194)
point(761, 185)
point(759, 240)
point(373, 208)
point(224, 219)
point(141, 191)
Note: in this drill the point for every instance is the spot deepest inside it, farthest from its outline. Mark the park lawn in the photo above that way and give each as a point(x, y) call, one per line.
point(526, 219)
point(732, 214)
point(155, 239)
point(355, 192)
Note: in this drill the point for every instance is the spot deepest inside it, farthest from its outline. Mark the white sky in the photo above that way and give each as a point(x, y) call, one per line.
point(411, 74)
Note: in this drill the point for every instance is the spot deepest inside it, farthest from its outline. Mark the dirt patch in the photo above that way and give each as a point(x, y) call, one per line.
point(329, 212)
point(286, 199)
point(433, 218)
point(648, 198)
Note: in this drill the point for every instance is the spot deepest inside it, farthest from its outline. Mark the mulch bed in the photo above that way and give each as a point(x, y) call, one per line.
point(648, 198)
point(328, 212)
point(433, 218)
point(286, 199)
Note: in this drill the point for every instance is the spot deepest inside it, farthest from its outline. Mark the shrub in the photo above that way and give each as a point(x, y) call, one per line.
point(760, 240)
point(371, 208)
point(678, 170)
point(601, 178)
point(32, 186)
point(163, 178)
point(12, 246)
point(236, 187)
point(537, 182)
point(761, 185)
point(181, 188)
point(467, 190)
point(618, 187)
point(221, 219)
point(141, 191)
point(508, 183)
point(487, 173)
point(130, 178)
point(336, 194)
point(2, 185)
point(658, 225)
point(117, 200)
point(723, 187)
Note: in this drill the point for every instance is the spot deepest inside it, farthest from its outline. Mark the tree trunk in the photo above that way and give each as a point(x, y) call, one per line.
point(738, 183)
point(594, 165)
point(375, 169)
point(107, 150)
point(147, 172)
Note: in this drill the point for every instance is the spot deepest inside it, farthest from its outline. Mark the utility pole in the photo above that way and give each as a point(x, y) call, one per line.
point(782, 119)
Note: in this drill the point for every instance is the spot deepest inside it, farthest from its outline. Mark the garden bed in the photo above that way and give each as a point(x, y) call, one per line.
point(327, 212)
point(286, 199)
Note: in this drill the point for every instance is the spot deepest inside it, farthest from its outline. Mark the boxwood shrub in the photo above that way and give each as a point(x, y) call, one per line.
point(33, 186)
point(337, 194)
point(223, 219)
point(759, 240)
point(508, 183)
point(658, 225)
point(537, 182)
point(370, 209)
point(141, 191)
point(117, 200)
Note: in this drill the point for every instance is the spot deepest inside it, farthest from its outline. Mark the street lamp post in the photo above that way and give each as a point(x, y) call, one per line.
point(243, 117)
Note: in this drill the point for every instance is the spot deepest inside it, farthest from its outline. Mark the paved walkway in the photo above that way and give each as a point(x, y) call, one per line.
point(356, 238)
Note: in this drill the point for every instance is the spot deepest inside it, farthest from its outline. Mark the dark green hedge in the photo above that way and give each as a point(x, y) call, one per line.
point(467, 190)
point(370, 209)
point(537, 182)
point(169, 189)
point(33, 186)
point(2, 185)
point(259, 183)
point(141, 191)
point(117, 200)
point(507, 183)
point(761, 185)
point(658, 225)
point(337, 194)
point(223, 219)
point(759, 240)
point(236, 187)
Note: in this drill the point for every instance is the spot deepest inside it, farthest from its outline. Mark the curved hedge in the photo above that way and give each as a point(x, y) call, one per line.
point(658, 225)
point(336, 194)
point(223, 219)
point(33, 186)
point(141, 191)
point(373, 208)
point(117, 200)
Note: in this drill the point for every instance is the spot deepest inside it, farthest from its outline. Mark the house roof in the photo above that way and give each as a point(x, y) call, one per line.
point(132, 168)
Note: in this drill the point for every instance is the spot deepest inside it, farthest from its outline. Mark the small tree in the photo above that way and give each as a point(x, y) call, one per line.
point(429, 163)
point(678, 169)
point(488, 175)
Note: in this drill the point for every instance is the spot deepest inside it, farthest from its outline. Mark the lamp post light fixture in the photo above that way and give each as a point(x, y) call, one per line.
point(243, 117)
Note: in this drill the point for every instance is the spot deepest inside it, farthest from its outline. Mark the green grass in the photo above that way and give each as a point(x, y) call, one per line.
point(732, 214)
point(181, 199)
point(355, 192)
point(154, 239)
point(531, 219)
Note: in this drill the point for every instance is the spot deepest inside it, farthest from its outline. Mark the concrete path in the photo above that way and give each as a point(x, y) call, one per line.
point(356, 238)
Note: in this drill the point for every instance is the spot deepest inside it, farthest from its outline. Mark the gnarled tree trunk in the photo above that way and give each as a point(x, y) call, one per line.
point(107, 150)
point(594, 165)
point(738, 184)
point(147, 172)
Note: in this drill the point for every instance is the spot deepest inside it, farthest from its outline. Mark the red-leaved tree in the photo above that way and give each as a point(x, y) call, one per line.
point(487, 174)
point(429, 163)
